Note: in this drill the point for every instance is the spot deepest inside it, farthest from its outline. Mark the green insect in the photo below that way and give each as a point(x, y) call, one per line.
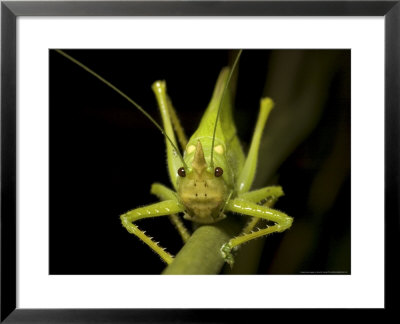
point(213, 176)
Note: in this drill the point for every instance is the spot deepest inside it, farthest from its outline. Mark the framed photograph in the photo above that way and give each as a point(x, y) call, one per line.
point(89, 162)
point(304, 208)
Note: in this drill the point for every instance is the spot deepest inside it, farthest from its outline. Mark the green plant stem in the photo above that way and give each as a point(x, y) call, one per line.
point(201, 254)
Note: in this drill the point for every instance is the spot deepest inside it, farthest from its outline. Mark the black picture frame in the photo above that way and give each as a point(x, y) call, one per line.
point(10, 11)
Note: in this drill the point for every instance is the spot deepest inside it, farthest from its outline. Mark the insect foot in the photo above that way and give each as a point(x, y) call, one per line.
point(227, 255)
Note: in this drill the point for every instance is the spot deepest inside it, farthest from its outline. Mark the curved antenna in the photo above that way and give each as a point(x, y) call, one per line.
point(144, 112)
point(220, 105)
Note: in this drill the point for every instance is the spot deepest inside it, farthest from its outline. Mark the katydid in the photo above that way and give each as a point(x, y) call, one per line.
point(213, 176)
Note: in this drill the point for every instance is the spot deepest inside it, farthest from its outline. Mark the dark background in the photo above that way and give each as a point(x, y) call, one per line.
point(104, 154)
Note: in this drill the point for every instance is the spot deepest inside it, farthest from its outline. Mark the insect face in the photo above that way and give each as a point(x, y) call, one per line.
point(202, 191)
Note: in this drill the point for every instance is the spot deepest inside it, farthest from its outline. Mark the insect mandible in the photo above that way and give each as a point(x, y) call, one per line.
point(213, 176)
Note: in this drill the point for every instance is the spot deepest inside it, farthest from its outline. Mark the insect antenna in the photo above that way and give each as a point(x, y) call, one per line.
point(144, 112)
point(220, 105)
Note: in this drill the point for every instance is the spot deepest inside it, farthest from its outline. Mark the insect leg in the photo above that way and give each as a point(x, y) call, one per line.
point(246, 176)
point(163, 208)
point(180, 133)
point(259, 195)
point(245, 207)
point(164, 193)
point(173, 160)
point(180, 227)
point(266, 196)
point(170, 122)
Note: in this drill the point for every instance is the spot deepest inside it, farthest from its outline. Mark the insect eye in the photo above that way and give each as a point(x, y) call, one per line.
point(218, 172)
point(182, 172)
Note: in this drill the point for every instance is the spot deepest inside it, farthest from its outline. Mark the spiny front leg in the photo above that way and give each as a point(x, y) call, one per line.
point(266, 196)
point(245, 207)
point(163, 208)
point(257, 196)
